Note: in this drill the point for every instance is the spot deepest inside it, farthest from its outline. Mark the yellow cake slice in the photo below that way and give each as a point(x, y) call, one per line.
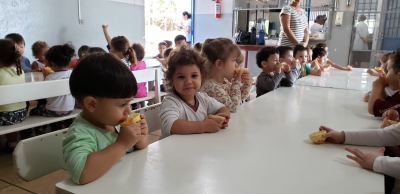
point(392, 122)
point(216, 117)
point(318, 137)
point(131, 119)
point(243, 70)
point(349, 66)
point(48, 70)
point(378, 68)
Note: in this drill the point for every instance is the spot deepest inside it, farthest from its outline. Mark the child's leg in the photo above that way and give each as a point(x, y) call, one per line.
point(11, 118)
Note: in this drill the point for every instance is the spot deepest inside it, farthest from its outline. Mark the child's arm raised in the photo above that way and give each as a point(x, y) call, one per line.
point(291, 77)
point(144, 130)
point(105, 31)
point(247, 80)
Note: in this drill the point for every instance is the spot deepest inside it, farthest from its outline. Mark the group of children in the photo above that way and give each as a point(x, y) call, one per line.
point(206, 80)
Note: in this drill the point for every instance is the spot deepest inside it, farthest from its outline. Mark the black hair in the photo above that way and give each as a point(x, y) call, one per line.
point(298, 48)
point(264, 53)
point(60, 55)
point(139, 50)
point(167, 52)
point(93, 50)
point(17, 38)
point(83, 51)
point(321, 45)
point(122, 44)
point(188, 14)
point(318, 52)
point(102, 75)
point(179, 37)
point(395, 58)
point(9, 55)
point(198, 46)
point(283, 50)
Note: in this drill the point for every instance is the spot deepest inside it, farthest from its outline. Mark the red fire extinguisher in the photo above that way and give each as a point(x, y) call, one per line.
point(218, 10)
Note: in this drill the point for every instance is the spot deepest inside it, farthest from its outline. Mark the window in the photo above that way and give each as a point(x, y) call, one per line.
point(369, 9)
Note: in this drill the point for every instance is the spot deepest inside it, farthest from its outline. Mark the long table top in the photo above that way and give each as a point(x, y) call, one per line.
point(358, 79)
point(265, 149)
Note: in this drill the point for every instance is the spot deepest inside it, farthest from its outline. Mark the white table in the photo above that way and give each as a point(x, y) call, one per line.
point(268, 152)
point(152, 63)
point(358, 79)
point(33, 77)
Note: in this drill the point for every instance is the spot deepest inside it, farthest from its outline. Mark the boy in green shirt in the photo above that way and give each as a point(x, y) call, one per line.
point(104, 86)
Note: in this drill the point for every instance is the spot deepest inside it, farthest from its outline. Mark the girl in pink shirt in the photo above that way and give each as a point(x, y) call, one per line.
point(139, 50)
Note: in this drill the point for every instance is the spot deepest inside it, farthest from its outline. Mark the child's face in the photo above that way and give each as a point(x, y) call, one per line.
point(270, 63)
point(288, 58)
point(302, 56)
point(41, 56)
point(230, 66)
point(180, 43)
point(187, 80)
point(309, 56)
point(21, 48)
point(111, 112)
point(383, 64)
point(321, 59)
point(161, 49)
point(392, 77)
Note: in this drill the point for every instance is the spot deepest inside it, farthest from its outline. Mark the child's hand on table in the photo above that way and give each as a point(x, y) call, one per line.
point(391, 115)
point(365, 160)
point(333, 136)
point(211, 125)
point(227, 117)
point(130, 135)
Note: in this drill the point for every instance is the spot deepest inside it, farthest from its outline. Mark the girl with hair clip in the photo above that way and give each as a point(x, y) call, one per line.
point(225, 81)
point(11, 73)
point(326, 63)
point(120, 47)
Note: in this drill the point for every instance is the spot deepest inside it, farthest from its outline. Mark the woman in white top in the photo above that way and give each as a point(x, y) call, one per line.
point(318, 26)
point(360, 40)
point(294, 25)
point(186, 25)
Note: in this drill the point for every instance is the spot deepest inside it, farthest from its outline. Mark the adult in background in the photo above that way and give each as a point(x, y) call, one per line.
point(360, 42)
point(186, 26)
point(318, 25)
point(294, 25)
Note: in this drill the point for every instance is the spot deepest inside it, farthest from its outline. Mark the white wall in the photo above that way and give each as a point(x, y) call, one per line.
point(56, 21)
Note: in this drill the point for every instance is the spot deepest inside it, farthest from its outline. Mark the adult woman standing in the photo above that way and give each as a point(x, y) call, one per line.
point(294, 25)
point(186, 25)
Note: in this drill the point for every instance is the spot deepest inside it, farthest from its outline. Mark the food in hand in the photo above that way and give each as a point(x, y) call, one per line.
point(242, 70)
point(318, 137)
point(217, 118)
point(349, 67)
point(297, 61)
point(282, 64)
point(378, 68)
point(316, 35)
point(105, 25)
point(48, 70)
point(131, 119)
point(392, 122)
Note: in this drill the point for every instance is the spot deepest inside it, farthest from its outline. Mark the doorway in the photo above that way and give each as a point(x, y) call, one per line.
point(163, 19)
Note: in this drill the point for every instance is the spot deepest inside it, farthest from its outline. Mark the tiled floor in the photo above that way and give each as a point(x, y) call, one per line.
point(10, 183)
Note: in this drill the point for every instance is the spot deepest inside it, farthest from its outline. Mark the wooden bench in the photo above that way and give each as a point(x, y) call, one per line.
point(46, 89)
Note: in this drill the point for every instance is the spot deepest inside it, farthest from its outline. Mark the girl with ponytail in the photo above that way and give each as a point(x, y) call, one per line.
point(11, 73)
point(121, 48)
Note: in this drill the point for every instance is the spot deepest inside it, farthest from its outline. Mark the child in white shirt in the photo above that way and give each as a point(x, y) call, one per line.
point(39, 50)
point(58, 58)
point(185, 110)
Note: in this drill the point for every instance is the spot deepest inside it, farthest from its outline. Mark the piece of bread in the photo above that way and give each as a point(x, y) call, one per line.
point(392, 122)
point(349, 66)
point(318, 137)
point(216, 117)
point(131, 119)
point(243, 70)
point(105, 25)
point(297, 61)
point(48, 70)
point(378, 68)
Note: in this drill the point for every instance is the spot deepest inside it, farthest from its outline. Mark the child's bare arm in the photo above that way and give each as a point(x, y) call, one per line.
point(315, 72)
point(35, 66)
point(377, 89)
point(93, 169)
point(105, 31)
point(181, 126)
point(372, 73)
